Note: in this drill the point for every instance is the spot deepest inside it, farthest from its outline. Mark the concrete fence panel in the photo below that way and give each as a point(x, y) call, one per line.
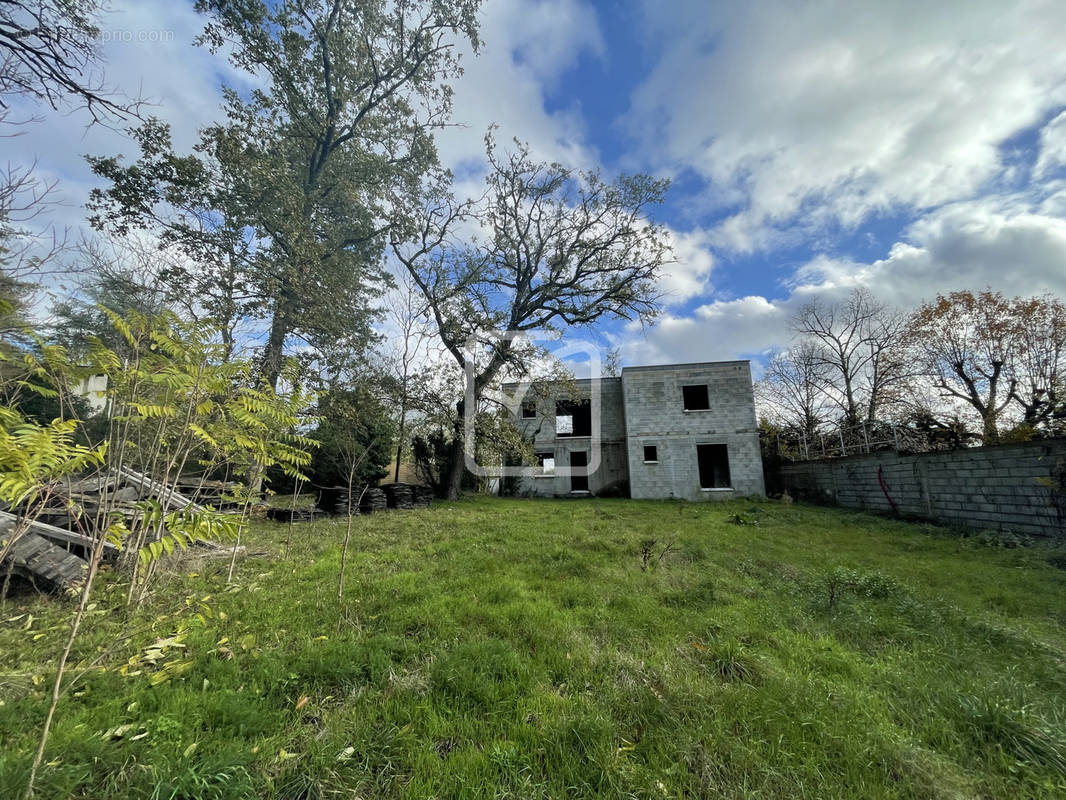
point(1013, 487)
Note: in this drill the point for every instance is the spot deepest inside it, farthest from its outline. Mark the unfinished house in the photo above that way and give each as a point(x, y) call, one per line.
point(684, 431)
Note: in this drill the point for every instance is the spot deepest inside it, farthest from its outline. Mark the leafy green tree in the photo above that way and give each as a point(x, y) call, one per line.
point(185, 202)
point(309, 173)
point(355, 435)
point(333, 152)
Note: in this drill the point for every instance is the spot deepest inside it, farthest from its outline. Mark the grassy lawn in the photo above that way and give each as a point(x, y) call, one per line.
point(497, 648)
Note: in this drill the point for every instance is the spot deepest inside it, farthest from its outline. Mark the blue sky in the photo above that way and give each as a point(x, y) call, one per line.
point(910, 147)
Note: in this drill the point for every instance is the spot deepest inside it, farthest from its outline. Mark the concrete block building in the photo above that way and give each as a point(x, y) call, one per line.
point(684, 431)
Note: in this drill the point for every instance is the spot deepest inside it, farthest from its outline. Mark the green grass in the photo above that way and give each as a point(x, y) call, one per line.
point(497, 648)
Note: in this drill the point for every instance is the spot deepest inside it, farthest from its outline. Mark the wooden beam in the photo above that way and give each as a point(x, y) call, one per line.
point(172, 498)
point(54, 533)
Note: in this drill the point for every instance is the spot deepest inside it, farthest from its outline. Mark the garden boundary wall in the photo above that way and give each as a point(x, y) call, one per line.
point(1012, 487)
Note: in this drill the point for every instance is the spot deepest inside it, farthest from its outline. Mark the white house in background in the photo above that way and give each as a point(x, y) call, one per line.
point(93, 389)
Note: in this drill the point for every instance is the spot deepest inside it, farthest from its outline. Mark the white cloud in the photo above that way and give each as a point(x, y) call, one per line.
point(998, 242)
point(148, 52)
point(528, 45)
point(969, 245)
point(1052, 146)
point(690, 276)
point(823, 112)
point(719, 331)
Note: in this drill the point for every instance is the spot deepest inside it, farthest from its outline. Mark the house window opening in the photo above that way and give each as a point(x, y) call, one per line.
point(695, 397)
point(713, 461)
point(529, 410)
point(573, 418)
point(545, 463)
point(651, 454)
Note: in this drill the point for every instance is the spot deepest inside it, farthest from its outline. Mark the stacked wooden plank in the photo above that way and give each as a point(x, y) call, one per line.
point(373, 500)
point(334, 500)
point(46, 565)
point(422, 497)
point(65, 538)
point(291, 514)
point(399, 495)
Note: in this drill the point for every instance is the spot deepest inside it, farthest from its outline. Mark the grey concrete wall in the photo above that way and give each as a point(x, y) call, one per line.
point(608, 440)
point(1016, 487)
point(655, 414)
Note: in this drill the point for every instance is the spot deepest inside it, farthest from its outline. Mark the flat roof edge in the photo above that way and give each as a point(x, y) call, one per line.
point(652, 367)
point(688, 365)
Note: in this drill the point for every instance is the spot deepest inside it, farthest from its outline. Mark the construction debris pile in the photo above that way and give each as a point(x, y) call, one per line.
point(334, 500)
point(53, 551)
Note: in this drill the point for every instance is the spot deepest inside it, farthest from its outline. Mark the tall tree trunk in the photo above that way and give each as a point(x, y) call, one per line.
point(851, 415)
point(990, 412)
point(457, 458)
point(990, 428)
point(274, 352)
point(399, 439)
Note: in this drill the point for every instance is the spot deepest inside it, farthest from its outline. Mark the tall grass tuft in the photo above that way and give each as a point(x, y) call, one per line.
point(1019, 733)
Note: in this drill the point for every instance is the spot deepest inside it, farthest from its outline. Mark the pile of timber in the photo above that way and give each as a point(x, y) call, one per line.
point(53, 550)
point(399, 495)
point(422, 497)
point(72, 541)
point(79, 501)
point(218, 494)
point(45, 555)
point(276, 514)
point(373, 500)
point(333, 500)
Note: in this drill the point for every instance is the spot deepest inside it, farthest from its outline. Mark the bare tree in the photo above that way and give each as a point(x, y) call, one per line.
point(48, 51)
point(563, 249)
point(888, 371)
point(792, 387)
point(24, 196)
point(858, 349)
point(411, 317)
point(612, 363)
point(966, 344)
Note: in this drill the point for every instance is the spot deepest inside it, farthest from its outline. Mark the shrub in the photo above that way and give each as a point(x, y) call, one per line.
point(865, 584)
